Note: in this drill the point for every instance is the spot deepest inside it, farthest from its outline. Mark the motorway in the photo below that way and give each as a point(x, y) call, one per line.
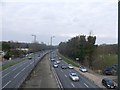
point(63, 75)
point(14, 76)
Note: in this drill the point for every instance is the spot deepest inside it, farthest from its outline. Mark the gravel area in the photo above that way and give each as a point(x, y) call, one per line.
point(96, 78)
point(43, 77)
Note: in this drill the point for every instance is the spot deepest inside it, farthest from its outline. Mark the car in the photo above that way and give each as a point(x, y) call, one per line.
point(108, 71)
point(83, 69)
point(108, 83)
point(55, 65)
point(64, 67)
point(52, 59)
point(60, 58)
point(57, 61)
point(70, 66)
point(29, 58)
point(115, 67)
point(73, 76)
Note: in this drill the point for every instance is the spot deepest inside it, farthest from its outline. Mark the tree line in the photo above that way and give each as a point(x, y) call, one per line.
point(11, 48)
point(85, 49)
point(81, 47)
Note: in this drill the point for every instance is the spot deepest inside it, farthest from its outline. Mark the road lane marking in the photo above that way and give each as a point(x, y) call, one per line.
point(14, 69)
point(16, 75)
point(6, 84)
point(23, 69)
point(27, 66)
point(65, 75)
point(5, 75)
point(86, 85)
point(20, 65)
point(31, 62)
point(72, 84)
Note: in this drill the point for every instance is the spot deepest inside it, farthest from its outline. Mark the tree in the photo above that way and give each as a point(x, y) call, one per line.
point(90, 48)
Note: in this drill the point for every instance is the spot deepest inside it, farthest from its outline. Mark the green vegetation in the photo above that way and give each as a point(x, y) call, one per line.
point(68, 60)
point(79, 47)
point(106, 60)
point(110, 59)
point(10, 64)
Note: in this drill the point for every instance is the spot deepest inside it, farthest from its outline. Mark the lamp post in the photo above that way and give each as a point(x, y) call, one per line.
point(51, 39)
point(51, 56)
point(34, 51)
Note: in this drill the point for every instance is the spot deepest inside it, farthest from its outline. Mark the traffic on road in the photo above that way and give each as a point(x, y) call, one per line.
point(68, 76)
point(14, 76)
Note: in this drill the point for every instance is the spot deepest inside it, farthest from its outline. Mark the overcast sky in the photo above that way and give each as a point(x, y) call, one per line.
point(63, 19)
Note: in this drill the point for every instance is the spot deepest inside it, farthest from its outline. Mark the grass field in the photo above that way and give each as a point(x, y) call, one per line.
point(10, 64)
point(69, 61)
point(101, 61)
point(109, 59)
point(13, 62)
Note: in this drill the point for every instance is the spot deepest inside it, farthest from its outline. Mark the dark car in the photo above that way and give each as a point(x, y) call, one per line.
point(115, 67)
point(108, 83)
point(108, 71)
point(64, 67)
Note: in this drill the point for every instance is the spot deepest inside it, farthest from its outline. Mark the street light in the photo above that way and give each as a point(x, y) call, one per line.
point(34, 51)
point(51, 56)
point(51, 39)
point(34, 37)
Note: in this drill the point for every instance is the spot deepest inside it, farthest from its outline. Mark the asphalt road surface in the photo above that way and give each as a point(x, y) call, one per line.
point(14, 76)
point(65, 80)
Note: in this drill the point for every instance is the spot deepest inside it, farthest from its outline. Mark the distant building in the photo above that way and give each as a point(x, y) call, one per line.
point(1, 55)
point(23, 49)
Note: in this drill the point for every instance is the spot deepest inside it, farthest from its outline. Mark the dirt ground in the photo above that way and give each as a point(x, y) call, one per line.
point(43, 77)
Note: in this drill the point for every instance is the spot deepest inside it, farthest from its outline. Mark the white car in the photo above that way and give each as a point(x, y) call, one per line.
point(73, 76)
point(55, 65)
point(83, 69)
point(60, 58)
point(57, 62)
point(53, 59)
point(70, 66)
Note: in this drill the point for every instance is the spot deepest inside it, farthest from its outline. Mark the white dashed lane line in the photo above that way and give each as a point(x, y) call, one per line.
point(86, 85)
point(65, 75)
point(23, 69)
point(13, 70)
point(72, 84)
point(61, 70)
point(5, 75)
point(6, 84)
point(17, 74)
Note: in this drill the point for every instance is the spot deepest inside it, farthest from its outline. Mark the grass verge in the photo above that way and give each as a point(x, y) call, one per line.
point(68, 60)
point(10, 64)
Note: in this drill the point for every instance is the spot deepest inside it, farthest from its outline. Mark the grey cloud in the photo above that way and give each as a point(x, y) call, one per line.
point(60, 19)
